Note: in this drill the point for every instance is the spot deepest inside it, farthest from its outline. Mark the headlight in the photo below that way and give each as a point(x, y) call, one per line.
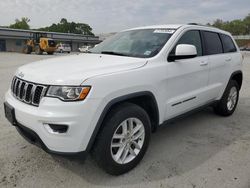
point(68, 93)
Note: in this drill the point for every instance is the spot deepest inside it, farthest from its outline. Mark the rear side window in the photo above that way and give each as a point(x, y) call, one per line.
point(213, 43)
point(228, 44)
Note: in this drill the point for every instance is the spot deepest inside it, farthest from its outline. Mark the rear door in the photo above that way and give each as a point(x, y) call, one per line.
point(187, 78)
point(219, 63)
point(230, 50)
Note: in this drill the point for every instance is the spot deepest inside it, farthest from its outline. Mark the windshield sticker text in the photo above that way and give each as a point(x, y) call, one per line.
point(169, 31)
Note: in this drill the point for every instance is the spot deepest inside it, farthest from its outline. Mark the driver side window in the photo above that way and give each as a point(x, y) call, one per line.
point(190, 37)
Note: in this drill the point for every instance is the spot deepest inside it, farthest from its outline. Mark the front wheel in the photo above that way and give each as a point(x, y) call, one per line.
point(228, 103)
point(123, 140)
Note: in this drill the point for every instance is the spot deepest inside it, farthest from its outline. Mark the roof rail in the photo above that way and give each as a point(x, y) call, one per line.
point(193, 24)
point(201, 25)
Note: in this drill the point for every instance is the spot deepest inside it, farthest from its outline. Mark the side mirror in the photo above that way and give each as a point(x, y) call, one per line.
point(184, 51)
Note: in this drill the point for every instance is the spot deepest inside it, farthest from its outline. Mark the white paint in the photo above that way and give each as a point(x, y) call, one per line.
point(185, 50)
point(112, 76)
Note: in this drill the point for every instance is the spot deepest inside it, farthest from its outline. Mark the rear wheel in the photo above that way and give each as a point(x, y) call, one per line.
point(228, 103)
point(124, 139)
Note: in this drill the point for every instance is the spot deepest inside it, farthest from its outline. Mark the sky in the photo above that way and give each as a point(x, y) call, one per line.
point(106, 16)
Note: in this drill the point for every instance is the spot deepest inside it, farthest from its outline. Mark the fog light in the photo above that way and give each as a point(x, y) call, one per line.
point(56, 128)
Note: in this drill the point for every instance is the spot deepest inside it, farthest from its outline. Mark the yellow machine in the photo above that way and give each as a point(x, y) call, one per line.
point(40, 43)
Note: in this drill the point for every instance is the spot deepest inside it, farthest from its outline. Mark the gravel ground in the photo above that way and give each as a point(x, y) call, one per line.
point(202, 150)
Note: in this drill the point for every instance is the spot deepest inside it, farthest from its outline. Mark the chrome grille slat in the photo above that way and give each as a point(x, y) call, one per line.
point(27, 92)
point(27, 98)
point(43, 93)
point(19, 90)
point(14, 86)
point(17, 87)
point(33, 94)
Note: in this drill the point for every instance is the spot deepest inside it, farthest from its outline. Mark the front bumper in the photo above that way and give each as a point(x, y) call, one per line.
point(32, 121)
point(33, 138)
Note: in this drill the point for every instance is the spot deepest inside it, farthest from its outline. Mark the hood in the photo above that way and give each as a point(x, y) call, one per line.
point(74, 69)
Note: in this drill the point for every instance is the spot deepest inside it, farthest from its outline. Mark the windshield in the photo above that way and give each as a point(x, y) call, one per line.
point(143, 43)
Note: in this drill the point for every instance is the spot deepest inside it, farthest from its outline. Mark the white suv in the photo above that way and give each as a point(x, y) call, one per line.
point(63, 48)
point(110, 100)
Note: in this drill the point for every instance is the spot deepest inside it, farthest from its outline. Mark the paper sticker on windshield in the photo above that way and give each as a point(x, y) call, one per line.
point(169, 31)
point(147, 52)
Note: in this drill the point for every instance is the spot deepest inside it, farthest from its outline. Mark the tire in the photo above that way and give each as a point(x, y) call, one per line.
point(38, 50)
point(102, 151)
point(50, 53)
point(61, 51)
point(27, 49)
point(223, 107)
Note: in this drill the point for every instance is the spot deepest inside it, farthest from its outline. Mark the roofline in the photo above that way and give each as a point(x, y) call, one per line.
point(211, 28)
point(168, 26)
point(35, 31)
point(177, 26)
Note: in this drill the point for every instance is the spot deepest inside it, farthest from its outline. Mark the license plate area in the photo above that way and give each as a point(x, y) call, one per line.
point(10, 113)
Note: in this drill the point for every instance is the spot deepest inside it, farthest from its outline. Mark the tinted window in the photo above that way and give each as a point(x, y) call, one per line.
point(190, 37)
point(228, 44)
point(212, 43)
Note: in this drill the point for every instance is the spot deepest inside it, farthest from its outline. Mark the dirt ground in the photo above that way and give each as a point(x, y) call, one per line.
point(202, 150)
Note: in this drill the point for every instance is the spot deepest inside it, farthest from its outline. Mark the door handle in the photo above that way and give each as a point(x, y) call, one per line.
point(204, 63)
point(229, 59)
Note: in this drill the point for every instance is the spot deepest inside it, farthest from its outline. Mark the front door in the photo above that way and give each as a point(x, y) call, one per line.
point(187, 80)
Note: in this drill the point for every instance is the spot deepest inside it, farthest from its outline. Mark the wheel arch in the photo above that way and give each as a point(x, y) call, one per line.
point(138, 98)
point(238, 77)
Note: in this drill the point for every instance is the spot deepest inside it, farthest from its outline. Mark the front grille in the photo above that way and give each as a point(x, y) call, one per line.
point(27, 92)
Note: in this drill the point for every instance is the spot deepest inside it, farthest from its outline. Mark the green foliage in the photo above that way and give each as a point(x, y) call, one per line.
point(236, 27)
point(63, 26)
point(21, 24)
point(69, 27)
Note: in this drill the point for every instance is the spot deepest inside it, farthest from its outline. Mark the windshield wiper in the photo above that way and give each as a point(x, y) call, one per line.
point(113, 53)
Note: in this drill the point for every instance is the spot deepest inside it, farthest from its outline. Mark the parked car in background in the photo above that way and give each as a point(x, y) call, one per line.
point(85, 49)
point(245, 48)
point(63, 48)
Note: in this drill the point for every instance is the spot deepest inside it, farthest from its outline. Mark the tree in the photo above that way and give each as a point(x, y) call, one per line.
point(218, 23)
point(236, 27)
point(21, 24)
point(247, 24)
point(69, 27)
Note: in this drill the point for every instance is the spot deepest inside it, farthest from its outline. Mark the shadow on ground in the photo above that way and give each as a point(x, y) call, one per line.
point(175, 148)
